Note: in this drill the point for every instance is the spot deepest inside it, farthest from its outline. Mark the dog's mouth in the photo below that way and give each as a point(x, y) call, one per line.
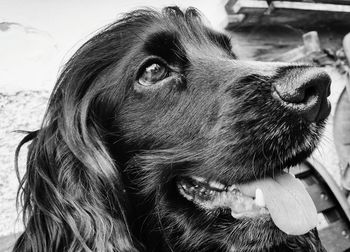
point(283, 198)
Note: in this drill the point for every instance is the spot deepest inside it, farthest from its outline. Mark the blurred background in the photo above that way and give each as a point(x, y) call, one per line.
point(38, 36)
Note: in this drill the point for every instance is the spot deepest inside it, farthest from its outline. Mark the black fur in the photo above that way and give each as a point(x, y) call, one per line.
point(102, 170)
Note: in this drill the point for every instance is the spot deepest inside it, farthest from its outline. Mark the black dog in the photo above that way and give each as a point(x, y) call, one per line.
point(157, 138)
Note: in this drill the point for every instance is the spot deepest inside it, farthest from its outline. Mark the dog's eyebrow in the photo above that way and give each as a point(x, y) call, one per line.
point(166, 45)
point(221, 40)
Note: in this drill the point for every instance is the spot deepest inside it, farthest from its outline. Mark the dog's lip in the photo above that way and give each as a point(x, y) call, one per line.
point(211, 195)
point(283, 197)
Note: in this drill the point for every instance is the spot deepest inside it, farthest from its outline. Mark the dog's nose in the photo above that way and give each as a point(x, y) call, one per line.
point(304, 90)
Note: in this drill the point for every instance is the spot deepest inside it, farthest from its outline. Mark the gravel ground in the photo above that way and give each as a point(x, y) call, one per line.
point(19, 111)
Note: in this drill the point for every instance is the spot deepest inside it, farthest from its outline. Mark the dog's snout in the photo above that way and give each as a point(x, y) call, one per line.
point(305, 91)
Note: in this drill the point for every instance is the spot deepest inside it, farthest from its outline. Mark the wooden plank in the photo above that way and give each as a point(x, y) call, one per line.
point(296, 18)
point(321, 197)
point(300, 170)
point(264, 43)
point(337, 192)
point(268, 43)
point(297, 14)
point(335, 237)
point(334, 1)
point(346, 2)
point(231, 3)
point(311, 42)
point(325, 7)
point(249, 6)
point(228, 6)
point(346, 46)
point(341, 127)
point(303, 53)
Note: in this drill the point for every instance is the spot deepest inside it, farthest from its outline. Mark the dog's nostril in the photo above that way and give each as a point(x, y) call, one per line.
point(309, 92)
point(305, 91)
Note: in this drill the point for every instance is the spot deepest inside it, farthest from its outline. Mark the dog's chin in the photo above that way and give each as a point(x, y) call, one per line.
point(243, 204)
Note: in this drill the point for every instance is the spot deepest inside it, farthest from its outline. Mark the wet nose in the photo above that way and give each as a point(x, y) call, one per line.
point(304, 90)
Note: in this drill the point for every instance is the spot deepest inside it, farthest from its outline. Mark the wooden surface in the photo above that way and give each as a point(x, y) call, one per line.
point(342, 135)
point(269, 43)
point(333, 224)
point(295, 13)
point(330, 236)
point(321, 198)
point(347, 2)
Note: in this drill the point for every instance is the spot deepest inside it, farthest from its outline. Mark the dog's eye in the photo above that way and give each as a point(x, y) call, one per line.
point(152, 74)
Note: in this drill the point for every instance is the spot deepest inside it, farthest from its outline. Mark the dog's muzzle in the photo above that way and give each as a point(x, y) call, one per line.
point(283, 198)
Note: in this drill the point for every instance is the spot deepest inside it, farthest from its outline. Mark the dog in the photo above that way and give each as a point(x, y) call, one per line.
point(158, 138)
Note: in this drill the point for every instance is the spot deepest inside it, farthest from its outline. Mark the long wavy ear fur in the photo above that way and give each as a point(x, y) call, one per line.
point(72, 190)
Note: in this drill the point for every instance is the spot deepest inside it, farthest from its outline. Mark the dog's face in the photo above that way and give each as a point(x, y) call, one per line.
point(200, 138)
point(197, 122)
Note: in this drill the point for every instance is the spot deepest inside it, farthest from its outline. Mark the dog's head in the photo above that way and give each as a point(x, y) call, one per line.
point(157, 137)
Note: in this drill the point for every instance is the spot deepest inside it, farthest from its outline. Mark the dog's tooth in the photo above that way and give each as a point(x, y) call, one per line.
point(216, 185)
point(232, 188)
point(259, 198)
point(222, 199)
point(292, 174)
point(202, 190)
point(186, 195)
point(199, 179)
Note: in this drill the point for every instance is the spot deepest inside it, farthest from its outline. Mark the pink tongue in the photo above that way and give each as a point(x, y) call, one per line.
point(290, 206)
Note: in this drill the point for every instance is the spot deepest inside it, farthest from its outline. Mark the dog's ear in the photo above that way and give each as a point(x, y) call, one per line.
point(72, 191)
